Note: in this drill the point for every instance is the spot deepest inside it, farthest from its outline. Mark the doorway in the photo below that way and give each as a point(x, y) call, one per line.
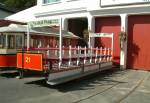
point(79, 26)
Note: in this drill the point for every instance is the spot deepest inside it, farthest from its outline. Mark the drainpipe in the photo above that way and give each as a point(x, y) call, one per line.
point(123, 51)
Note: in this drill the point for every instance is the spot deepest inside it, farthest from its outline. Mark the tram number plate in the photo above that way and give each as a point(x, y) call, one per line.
point(27, 59)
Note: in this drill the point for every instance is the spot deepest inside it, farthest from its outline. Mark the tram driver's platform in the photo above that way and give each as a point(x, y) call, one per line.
point(77, 72)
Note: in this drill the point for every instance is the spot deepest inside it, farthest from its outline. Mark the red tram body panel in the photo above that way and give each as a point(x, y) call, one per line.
point(8, 60)
point(30, 61)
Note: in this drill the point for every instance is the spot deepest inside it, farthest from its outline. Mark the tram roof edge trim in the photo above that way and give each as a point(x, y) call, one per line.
point(42, 23)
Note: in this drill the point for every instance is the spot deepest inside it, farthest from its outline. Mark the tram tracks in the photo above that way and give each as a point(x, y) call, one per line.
point(109, 88)
point(134, 89)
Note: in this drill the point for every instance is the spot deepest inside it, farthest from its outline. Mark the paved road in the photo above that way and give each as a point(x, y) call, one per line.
point(128, 86)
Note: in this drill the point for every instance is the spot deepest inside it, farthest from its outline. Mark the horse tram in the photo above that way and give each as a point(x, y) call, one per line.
point(13, 38)
point(64, 63)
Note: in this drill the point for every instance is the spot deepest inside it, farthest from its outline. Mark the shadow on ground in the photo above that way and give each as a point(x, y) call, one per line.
point(15, 73)
point(9, 73)
point(89, 82)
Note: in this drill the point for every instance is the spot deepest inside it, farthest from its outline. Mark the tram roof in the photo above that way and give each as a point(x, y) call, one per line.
point(47, 31)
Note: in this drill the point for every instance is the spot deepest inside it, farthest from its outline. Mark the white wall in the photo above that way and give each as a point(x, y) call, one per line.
point(39, 2)
point(62, 7)
point(122, 2)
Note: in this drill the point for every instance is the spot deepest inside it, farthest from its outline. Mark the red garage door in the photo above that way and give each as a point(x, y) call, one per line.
point(138, 42)
point(109, 25)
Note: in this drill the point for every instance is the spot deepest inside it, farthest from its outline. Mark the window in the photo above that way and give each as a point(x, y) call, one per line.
point(2, 41)
point(50, 1)
point(8, 41)
point(19, 41)
point(11, 41)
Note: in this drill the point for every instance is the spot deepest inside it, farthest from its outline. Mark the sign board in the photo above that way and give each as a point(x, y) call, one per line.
point(110, 35)
point(122, 2)
point(42, 23)
point(30, 61)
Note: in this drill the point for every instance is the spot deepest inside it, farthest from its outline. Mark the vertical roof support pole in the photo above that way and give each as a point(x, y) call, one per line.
point(28, 37)
point(6, 42)
point(60, 42)
point(112, 44)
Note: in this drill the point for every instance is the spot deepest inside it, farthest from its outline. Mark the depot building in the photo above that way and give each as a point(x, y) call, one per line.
point(131, 18)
